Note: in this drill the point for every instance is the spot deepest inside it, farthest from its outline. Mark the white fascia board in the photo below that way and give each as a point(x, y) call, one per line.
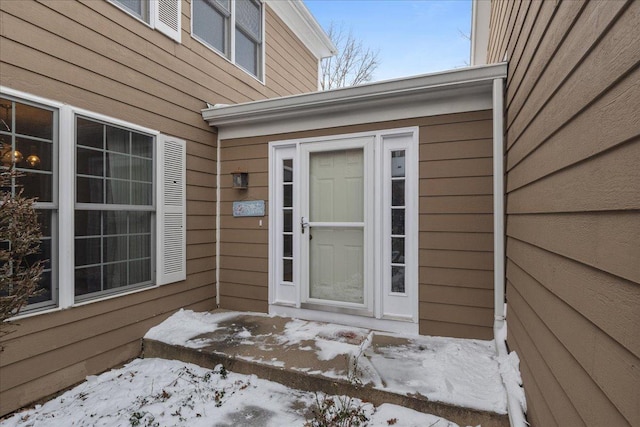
point(480, 17)
point(295, 14)
point(465, 89)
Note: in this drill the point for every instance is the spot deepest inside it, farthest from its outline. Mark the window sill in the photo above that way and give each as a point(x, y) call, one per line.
point(223, 56)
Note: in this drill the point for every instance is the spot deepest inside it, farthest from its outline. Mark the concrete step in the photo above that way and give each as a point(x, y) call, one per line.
point(268, 355)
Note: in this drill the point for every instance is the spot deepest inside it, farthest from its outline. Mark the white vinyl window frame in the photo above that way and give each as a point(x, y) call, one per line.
point(229, 52)
point(289, 299)
point(169, 194)
point(162, 15)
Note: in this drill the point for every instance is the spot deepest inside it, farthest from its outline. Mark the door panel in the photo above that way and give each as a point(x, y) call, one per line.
point(336, 260)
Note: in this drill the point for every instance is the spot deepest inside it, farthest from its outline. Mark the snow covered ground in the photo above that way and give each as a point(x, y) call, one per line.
point(157, 392)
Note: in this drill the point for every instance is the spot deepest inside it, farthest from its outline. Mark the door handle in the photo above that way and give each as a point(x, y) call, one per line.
point(303, 224)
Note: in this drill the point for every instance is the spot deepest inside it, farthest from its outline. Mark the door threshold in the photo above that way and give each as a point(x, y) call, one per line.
point(385, 325)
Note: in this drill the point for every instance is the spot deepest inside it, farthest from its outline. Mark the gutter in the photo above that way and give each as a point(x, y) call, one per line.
point(517, 416)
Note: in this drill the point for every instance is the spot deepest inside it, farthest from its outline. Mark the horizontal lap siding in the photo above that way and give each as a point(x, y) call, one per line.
point(573, 208)
point(94, 56)
point(456, 226)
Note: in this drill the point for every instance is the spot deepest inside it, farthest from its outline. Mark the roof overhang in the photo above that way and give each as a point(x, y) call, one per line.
point(463, 89)
point(295, 14)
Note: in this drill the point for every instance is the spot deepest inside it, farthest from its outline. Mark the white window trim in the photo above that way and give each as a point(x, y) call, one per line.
point(231, 57)
point(66, 201)
point(292, 305)
point(154, 21)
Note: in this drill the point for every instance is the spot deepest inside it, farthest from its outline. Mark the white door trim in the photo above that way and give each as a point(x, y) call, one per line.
point(292, 302)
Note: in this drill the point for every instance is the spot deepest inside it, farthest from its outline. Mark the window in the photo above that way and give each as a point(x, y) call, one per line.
point(111, 198)
point(139, 8)
point(114, 208)
point(28, 140)
point(163, 15)
point(232, 27)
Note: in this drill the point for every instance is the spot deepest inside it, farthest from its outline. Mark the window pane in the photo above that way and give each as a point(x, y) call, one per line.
point(287, 170)
point(90, 162)
point(210, 24)
point(88, 280)
point(87, 251)
point(397, 193)
point(140, 222)
point(288, 221)
point(37, 185)
point(139, 271)
point(246, 53)
point(397, 250)
point(118, 192)
point(117, 166)
point(288, 196)
point(141, 169)
point(336, 264)
point(288, 245)
point(115, 222)
point(138, 7)
point(89, 133)
point(139, 247)
point(397, 163)
point(87, 223)
point(115, 275)
point(141, 145)
point(397, 279)
point(36, 155)
point(117, 139)
point(287, 270)
point(248, 17)
point(90, 190)
point(115, 249)
point(33, 121)
point(336, 186)
point(397, 221)
point(141, 194)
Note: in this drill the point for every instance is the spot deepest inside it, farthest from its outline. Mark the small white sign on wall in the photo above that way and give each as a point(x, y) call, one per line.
point(248, 208)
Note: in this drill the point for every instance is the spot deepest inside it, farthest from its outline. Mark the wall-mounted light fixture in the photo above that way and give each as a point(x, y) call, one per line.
point(240, 179)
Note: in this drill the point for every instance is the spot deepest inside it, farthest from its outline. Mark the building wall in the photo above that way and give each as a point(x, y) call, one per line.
point(94, 56)
point(456, 243)
point(573, 201)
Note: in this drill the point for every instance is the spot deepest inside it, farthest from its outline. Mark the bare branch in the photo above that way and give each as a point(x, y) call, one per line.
point(353, 65)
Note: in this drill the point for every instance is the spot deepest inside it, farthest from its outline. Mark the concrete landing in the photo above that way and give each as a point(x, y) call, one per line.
point(312, 356)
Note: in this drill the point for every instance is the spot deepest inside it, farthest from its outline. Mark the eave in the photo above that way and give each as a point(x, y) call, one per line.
point(464, 89)
point(295, 14)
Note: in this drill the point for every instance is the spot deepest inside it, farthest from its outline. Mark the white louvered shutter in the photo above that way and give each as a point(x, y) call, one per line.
point(167, 17)
point(171, 217)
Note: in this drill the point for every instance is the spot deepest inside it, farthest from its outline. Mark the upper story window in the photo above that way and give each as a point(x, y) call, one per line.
point(163, 15)
point(139, 8)
point(234, 28)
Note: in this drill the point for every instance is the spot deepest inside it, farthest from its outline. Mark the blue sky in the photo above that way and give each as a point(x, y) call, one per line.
point(413, 36)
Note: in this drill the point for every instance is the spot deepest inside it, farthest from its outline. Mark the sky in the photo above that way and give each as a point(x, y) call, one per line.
point(413, 36)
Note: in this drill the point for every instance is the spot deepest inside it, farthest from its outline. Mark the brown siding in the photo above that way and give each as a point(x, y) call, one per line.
point(573, 202)
point(94, 56)
point(456, 246)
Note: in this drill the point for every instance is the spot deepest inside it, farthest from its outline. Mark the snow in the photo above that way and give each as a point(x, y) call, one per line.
point(461, 372)
point(157, 392)
point(455, 371)
point(184, 326)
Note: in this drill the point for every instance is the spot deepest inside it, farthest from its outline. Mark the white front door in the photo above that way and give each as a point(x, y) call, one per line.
point(336, 216)
point(344, 227)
